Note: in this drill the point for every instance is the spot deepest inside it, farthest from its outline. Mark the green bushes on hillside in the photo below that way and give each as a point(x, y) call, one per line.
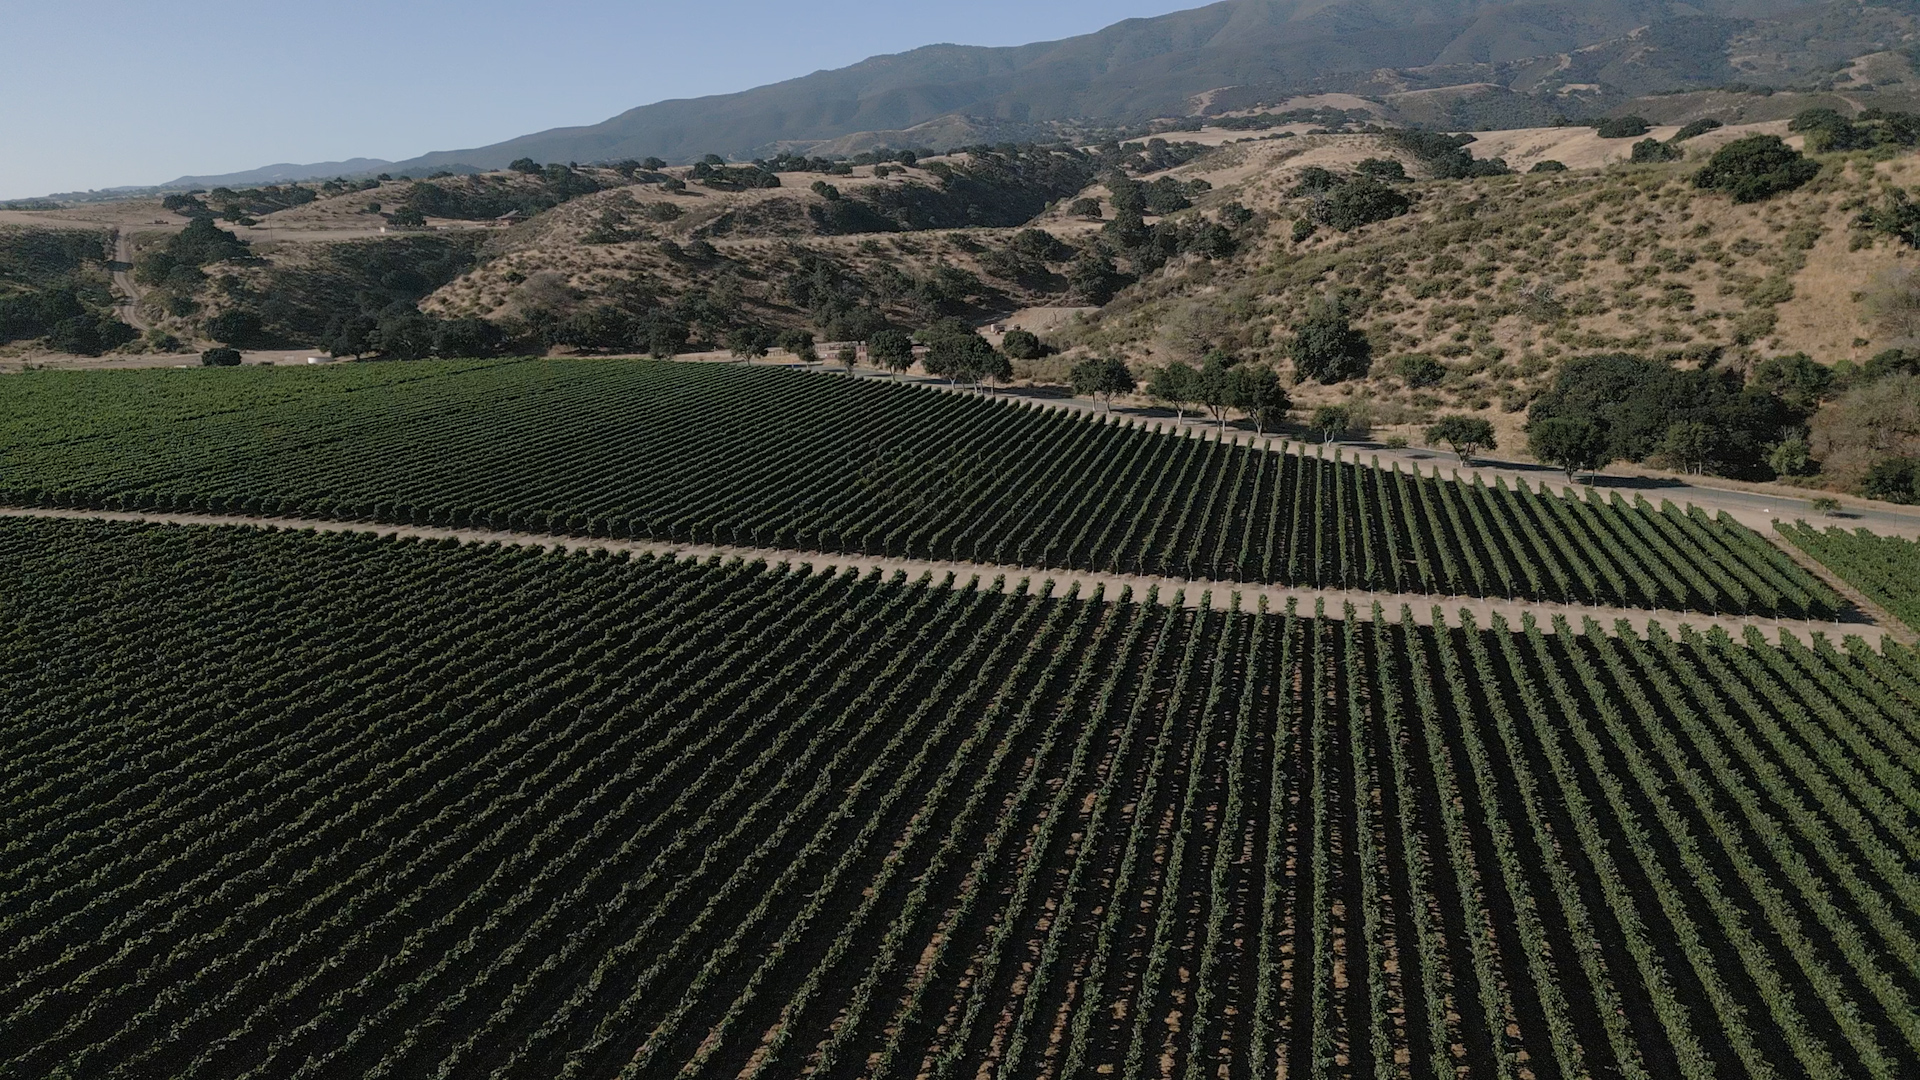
point(1755, 168)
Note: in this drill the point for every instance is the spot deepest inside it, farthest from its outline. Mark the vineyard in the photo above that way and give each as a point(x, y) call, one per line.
point(1886, 568)
point(284, 804)
point(762, 458)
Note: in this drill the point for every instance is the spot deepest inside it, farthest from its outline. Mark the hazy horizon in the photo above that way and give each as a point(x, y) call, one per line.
point(119, 94)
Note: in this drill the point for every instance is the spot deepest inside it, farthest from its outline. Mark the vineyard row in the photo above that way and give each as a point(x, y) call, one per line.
point(283, 805)
point(700, 453)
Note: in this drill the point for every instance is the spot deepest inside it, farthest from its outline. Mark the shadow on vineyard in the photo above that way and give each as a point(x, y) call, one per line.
point(362, 804)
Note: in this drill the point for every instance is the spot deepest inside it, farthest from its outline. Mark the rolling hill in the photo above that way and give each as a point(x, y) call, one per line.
point(1578, 57)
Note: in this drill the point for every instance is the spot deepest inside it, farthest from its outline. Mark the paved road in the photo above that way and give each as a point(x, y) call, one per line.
point(1185, 591)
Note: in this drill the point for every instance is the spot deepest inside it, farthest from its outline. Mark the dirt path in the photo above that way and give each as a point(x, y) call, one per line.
point(1189, 590)
point(128, 306)
point(1896, 629)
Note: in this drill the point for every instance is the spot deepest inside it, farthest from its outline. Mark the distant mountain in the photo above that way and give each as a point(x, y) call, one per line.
point(1145, 68)
point(1501, 63)
point(285, 173)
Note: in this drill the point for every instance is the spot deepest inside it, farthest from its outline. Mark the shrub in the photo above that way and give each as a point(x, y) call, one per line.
point(1548, 165)
point(220, 357)
point(236, 326)
point(1756, 168)
point(1022, 345)
point(1622, 127)
point(1419, 369)
point(1360, 202)
point(1895, 480)
point(1651, 151)
point(1697, 127)
point(89, 334)
point(1327, 348)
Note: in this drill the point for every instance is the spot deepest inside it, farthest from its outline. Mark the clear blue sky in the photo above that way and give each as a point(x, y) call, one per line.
point(103, 93)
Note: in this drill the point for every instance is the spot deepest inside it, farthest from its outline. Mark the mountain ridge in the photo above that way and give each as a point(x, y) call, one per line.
point(1550, 57)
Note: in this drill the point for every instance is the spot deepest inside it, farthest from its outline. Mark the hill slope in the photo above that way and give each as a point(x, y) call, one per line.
point(1142, 68)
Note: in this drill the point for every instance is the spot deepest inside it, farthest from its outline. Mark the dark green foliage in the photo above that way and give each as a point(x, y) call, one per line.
point(1897, 217)
point(220, 357)
point(239, 326)
point(32, 259)
point(1622, 127)
point(1040, 245)
point(799, 344)
point(1085, 208)
point(1022, 345)
point(1446, 156)
point(407, 217)
point(1176, 384)
point(1636, 401)
point(1255, 390)
point(749, 342)
point(1548, 165)
point(525, 165)
point(235, 204)
point(32, 314)
point(956, 351)
point(1895, 480)
point(1326, 347)
point(845, 217)
point(1796, 379)
point(1359, 202)
point(891, 349)
point(303, 300)
point(1889, 362)
point(1653, 151)
point(199, 244)
point(1093, 277)
point(1695, 128)
point(1101, 377)
point(609, 327)
point(1385, 170)
point(1467, 436)
point(485, 197)
point(1755, 168)
point(668, 746)
point(1316, 180)
point(185, 205)
point(350, 335)
point(1419, 369)
point(631, 449)
point(998, 187)
point(1827, 131)
point(1573, 445)
point(722, 177)
point(90, 334)
point(1330, 422)
point(1213, 386)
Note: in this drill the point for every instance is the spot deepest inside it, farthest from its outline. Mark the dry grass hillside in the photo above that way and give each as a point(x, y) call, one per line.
point(1500, 277)
point(748, 248)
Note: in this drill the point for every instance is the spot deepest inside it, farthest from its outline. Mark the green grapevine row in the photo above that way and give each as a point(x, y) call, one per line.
point(1886, 568)
point(292, 804)
point(713, 454)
